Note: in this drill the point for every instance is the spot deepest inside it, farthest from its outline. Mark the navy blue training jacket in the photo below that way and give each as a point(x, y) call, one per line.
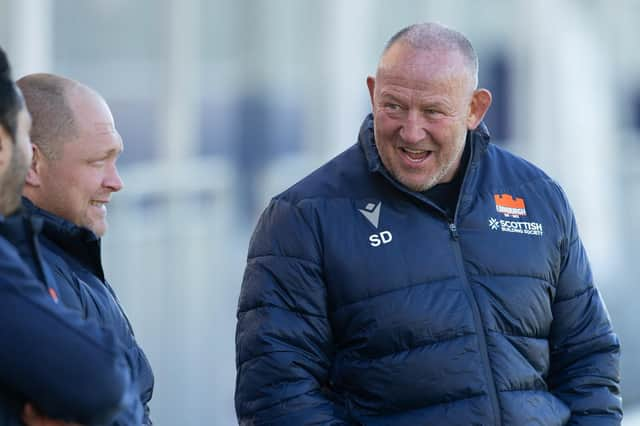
point(74, 255)
point(69, 368)
point(363, 304)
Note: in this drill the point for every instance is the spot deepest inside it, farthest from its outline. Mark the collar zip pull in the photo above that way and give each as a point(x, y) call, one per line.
point(453, 229)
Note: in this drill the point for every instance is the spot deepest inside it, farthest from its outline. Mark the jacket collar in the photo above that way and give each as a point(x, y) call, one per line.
point(14, 228)
point(59, 224)
point(77, 242)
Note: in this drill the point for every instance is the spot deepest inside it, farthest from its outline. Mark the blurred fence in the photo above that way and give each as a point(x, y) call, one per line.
point(176, 261)
point(237, 80)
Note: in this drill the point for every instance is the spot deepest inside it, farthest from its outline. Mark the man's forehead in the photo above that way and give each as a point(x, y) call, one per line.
point(407, 76)
point(98, 138)
point(403, 62)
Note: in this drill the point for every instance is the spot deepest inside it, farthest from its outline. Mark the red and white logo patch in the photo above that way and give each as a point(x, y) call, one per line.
point(510, 206)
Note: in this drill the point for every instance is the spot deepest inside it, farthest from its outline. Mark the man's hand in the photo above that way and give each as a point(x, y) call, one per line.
point(31, 417)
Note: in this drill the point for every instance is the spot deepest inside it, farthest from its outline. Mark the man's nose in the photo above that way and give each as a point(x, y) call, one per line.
point(413, 130)
point(113, 181)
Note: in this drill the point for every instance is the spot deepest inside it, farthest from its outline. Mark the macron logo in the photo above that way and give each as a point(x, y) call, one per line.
point(372, 213)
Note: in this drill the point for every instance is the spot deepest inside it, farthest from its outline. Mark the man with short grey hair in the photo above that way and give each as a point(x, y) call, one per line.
point(424, 276)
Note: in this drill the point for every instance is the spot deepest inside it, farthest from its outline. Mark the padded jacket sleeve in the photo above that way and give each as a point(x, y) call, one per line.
point(69, 368)
point(141, 365)
point(585, 352)
point(146, 391)
point(143, 379)
point(284, 341)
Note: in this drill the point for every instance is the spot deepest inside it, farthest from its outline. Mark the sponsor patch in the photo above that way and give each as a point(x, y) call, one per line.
point(509, 205)
point(517, 227)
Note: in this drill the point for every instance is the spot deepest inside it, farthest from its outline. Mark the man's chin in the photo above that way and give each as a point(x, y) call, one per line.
point(97, 227)
point(100, 231)
point(9, 205)
point(416, 185)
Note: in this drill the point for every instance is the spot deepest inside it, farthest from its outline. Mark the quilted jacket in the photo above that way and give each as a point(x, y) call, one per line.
point(362, 303)
point(74, 255)
point(68, 367)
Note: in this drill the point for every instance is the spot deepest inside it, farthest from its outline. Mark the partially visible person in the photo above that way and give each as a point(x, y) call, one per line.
point(54, 365)
point(425, 276)
point(71, 180)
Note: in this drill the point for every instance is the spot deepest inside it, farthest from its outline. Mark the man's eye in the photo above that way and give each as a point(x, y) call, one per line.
point(432, 112)
point(392, 107)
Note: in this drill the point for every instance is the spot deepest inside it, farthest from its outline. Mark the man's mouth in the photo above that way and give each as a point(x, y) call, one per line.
point(98, 203)
point(415, 155)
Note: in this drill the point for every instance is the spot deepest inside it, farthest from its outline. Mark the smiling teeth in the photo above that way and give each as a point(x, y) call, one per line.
point(414, 151)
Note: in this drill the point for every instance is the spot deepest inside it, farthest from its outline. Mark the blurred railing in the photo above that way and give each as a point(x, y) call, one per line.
point(175, 258)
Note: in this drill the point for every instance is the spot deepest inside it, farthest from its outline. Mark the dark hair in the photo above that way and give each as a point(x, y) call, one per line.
point(10, 99)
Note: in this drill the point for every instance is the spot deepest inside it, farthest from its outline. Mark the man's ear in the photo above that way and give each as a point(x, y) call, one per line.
point(34, 175)
point(480, 102)
point(371, 84)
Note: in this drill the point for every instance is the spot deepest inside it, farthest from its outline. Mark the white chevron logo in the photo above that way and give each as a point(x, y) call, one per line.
point(372, 213)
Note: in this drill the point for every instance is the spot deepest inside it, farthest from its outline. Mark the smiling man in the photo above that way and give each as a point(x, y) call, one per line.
point(72, 177)
point(424, 276)
point(421, 124)
point(76, 146)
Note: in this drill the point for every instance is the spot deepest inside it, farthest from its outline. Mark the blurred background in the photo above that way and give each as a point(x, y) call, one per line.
point(225, 103)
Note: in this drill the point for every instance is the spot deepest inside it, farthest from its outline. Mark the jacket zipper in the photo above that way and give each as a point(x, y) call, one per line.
point(482, 338)
point(453, 230)
point(481, 333)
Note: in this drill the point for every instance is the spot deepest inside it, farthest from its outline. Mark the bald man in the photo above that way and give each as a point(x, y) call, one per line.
point(72, 177)
point(54, 364)
point(424, 276)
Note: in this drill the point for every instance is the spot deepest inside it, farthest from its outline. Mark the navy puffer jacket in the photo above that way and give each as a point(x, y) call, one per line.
point(362, 304)
point(74, 255)
point(69, 368)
